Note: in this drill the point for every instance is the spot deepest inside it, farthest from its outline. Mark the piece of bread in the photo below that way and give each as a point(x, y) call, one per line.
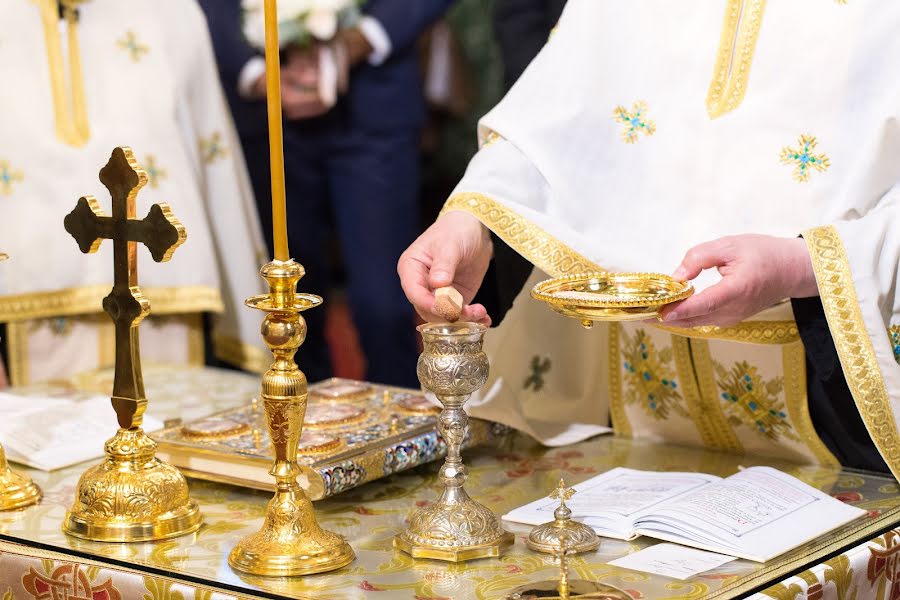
point(448, 304)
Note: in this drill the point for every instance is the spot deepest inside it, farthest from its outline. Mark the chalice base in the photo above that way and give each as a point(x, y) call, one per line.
point(290, 542)
point(454, 532)
point(17, 491)
point(132, 496)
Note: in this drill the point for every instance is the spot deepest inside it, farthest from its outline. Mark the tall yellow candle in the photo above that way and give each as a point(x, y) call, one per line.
point(276, 145)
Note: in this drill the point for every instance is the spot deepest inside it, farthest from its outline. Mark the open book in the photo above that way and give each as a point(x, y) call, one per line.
point(758, 513)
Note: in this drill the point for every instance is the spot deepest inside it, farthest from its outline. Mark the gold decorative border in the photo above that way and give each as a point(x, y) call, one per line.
point(237, 353)
point(621, 424)
point(89, 299)
point(737, 44)
point(793, 357)
point(7, 547)
point(539, 247)
point(720, 434)
point(750, 332)
point(848, 328)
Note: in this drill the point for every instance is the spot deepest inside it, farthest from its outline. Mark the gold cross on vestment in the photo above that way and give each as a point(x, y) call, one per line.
point(160, 232)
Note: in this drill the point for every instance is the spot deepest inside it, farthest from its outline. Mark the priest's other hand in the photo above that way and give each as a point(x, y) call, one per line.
point(758, 271)
point(455, 251)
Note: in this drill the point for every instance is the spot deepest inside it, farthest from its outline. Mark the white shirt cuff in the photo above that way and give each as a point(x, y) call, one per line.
point(252, 71)
point(377, 37)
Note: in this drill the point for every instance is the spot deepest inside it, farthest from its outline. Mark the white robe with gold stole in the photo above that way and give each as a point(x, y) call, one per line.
point(136, 73)
point(644, 128)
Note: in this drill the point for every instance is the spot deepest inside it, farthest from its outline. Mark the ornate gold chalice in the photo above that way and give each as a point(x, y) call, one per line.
point(606, 296)
point(16, 491)
point(290, 542)
point(456, 527)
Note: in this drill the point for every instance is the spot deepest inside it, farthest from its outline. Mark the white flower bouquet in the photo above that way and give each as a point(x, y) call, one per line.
point(300, 22)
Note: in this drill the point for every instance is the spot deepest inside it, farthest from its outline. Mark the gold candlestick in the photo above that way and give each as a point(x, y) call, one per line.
point(290, 542)
point(456, 527)
point(276, 144)
point(131, 496)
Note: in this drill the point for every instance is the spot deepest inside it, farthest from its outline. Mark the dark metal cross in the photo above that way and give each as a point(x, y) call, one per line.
point(160, 232)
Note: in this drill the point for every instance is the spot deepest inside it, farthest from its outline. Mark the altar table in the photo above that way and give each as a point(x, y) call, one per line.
point(39, 562)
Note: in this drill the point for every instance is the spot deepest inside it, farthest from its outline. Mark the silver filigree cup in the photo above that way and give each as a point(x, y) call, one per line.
point(456, 527)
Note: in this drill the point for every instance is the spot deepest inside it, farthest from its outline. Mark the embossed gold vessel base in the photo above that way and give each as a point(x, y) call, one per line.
point(290, 542)
point(455, 528)
point(132, 496)
point(16, 491)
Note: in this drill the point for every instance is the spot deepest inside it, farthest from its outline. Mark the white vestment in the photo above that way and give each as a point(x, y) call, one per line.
point(139, 74)
point(646, 127)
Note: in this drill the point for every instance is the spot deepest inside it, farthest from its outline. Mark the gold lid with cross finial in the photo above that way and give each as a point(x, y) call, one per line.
point(562, 531)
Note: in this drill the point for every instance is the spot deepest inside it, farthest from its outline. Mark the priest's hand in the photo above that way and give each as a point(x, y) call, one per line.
point(455, 251)
point(758, 271)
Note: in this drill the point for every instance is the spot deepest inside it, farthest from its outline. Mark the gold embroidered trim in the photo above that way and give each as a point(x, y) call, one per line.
point(88, 300)
point(620, 423)
point(540, 248)
point(69, 106)
point(793, 360)
point(723, 436)
point(237, 353)
point(737, 44)
point(751, 332)
point(852, 341)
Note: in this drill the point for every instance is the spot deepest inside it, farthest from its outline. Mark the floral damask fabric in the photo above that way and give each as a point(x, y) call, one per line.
point(24, 576)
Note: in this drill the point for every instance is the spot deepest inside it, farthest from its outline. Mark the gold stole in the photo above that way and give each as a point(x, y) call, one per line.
point(737, 45)
point(69, 105)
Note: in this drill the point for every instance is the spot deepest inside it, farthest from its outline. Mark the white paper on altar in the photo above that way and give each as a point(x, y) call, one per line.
point(50, 433)
point(672, 560)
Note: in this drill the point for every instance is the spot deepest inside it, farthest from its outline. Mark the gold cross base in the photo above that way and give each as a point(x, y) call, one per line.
point(131, 496)
point(16, 491)
point(291, 542)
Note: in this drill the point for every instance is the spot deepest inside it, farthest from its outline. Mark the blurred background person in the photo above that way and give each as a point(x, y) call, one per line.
point(523, 27)
point(351, 162)
point(82, 78)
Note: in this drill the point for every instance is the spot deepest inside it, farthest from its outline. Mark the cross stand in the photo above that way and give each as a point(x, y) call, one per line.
point(131, 496)
point(562, 531)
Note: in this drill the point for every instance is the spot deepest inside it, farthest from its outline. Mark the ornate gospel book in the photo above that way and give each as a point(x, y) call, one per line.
point(353, 433)
point(758, 513)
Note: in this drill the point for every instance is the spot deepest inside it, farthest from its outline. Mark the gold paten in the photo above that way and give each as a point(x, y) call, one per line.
point(16, 491)
point(290, 542)
point(456, 527)
point(562, 532)
point(605, 296)
point(566, 588)
point(131, 496)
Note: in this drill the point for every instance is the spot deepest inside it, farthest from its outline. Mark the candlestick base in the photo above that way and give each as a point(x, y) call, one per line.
point(16, 491)
point(132, 496)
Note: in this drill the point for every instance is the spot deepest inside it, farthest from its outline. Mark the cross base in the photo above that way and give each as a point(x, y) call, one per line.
point(16, 491)
point(131, 496)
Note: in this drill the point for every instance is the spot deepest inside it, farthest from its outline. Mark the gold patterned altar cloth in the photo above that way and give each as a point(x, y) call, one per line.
point(38, 562)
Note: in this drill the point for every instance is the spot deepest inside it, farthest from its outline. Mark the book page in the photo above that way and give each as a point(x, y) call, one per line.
point(672, 560)
point(52, 433)
point(757, 514)
point(610, 502)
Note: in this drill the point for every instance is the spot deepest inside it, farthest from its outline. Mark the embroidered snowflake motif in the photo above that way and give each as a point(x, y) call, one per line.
point(539, 368)
point(9, 176)
point(155, 173)
point(804, 159)
point(635, 121)
point(649, 378)
point(751, 401)
point(130, 44)
point(212, 148)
